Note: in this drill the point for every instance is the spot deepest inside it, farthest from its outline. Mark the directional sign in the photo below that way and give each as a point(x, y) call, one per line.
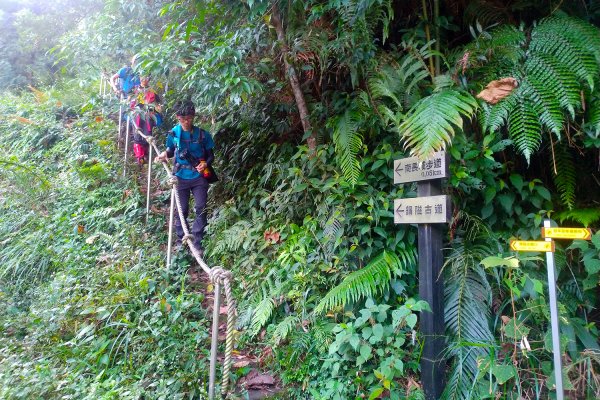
point(567, 233)
point(413, 169)
point(532, 245)
point(422, 210)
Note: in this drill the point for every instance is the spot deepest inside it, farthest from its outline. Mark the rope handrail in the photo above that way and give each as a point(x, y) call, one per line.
point(217, 275)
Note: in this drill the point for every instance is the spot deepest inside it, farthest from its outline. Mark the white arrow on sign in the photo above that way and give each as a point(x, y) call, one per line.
point(413, 169)
point(422, 210)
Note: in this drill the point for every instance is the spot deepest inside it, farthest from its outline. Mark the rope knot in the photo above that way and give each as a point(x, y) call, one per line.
point(186, 238)
point(173, 181)
point(149, 139)
point(220, 275)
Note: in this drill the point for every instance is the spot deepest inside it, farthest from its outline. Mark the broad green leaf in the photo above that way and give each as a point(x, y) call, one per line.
point(503, 373)
point(493, 262)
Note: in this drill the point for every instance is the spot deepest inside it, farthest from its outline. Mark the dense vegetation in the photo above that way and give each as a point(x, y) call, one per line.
point(310, 103)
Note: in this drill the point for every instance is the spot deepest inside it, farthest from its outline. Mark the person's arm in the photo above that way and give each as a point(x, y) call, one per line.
point(113, 82)
point(169, 152)
point(210, 156)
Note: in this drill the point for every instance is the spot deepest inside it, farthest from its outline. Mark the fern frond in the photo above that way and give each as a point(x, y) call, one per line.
point(366, 282)
point(492, 118)
point(283, 329)
point(583, 216)
point(544, 102)
point(333, 228)
point(592, 120)
point(557, 78)
point(467, 310)
point(348, 142)
point(551, 38)
point(431, 122)
point(524, 127)
point(565, 178)
point(261, 315)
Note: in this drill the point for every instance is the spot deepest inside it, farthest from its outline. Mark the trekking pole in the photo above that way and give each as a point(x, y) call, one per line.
point(171, 218)
point(149, 181)
point(214, 341)
point(126, 145)
point(120, 115)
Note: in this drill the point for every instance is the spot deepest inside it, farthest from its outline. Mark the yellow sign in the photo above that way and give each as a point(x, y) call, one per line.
point(532, 245)
point(567, 233)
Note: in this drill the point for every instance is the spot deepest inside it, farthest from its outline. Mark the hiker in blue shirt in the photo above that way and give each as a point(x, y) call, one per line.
point(128, 79)
point(193, 150)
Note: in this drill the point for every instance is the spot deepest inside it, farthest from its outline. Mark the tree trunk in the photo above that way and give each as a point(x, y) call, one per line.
point(293, 77)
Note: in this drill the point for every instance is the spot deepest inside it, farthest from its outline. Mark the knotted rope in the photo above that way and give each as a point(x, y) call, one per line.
point(223, 277)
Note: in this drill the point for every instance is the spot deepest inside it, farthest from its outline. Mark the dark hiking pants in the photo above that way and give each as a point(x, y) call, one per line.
point(199, 189)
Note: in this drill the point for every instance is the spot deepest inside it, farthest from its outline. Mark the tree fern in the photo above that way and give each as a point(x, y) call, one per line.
point(561, 58)
point(565, 176)
point(368, 281)
point(431, 123)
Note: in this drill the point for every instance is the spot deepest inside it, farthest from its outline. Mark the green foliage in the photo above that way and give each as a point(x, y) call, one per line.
point(348, 142)
point(374, 349)
point(559, 60)
point(88, 310)
point(565, 176)
point(431, 123)
point(467, 306)
point(367, 282)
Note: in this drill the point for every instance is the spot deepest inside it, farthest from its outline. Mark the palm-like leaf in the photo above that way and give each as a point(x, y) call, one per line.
point(468, 307)
point(432, 121)
point(368, 281)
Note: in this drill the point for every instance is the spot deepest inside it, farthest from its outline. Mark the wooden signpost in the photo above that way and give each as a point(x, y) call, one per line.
point(428, 210)
point(547, 246)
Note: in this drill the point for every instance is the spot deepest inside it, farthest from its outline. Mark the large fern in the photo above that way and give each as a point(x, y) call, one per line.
point(368, 281)
point(561, 59)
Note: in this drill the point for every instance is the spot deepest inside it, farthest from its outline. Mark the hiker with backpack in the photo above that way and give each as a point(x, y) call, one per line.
point(192, 148)
point(146, 108)
point(125, 80)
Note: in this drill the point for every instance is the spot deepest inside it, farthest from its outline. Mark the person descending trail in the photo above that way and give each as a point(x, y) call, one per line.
point(193, 150)
point(125, 80)
point(146, 110)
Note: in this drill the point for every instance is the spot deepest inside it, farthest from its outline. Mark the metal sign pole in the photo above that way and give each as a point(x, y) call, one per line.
point(554, 319)
point(431, 289)
point(148, 184)
point(171, 217)
point(214, 342)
